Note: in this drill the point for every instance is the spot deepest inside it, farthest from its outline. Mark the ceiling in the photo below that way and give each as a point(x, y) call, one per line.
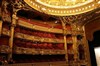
point(79, 15)
point(63, 7)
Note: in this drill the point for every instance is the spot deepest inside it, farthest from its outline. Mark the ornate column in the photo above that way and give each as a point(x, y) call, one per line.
point(13, 24)
point(74, 38)
point(64, 33)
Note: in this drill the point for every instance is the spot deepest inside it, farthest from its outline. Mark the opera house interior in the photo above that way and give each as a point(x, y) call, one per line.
point(49, 32)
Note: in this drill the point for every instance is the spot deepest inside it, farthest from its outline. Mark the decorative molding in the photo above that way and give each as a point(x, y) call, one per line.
point(35, 38)
point(21, 50)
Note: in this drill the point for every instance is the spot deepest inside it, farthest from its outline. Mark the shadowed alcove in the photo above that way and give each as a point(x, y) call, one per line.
point(92, 44)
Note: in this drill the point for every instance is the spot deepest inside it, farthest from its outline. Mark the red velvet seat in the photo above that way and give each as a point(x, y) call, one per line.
point(6, 26)
point(40, 46)
point(17, 29)
point(45, 46)
point(49, 35)
point(17, 42)
point(4, 40)
point(60, 46)
point(50, 46)
point(35, 46)
point(28, 45)
point(24, 44)
point(58, 26)
point(30, 32)
point(23, 31)
point(21, 44)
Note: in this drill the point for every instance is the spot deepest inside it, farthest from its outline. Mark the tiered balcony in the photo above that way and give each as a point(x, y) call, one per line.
point(24, 33)
point(37, 33)
point(29, 47)
point(32, 24)
point(38, 45)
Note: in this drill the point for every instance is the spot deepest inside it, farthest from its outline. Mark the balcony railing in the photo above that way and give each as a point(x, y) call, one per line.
point(35, 38)
point(62, 63)
point(21, 50)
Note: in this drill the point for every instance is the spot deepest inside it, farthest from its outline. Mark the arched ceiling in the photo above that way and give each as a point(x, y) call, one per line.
point(63, 7)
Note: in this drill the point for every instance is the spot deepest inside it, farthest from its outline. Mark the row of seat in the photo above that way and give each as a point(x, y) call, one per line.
point(37, 45)
point(37, 33)
point(4, 40)
point(28, 44)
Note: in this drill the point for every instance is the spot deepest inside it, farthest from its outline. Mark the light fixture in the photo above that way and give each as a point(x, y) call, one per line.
point(43, 9)
point(31, 2)
point(98, 2)
point(56, 21)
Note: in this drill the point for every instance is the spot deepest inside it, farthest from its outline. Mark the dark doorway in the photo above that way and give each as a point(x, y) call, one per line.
point(92, 44)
